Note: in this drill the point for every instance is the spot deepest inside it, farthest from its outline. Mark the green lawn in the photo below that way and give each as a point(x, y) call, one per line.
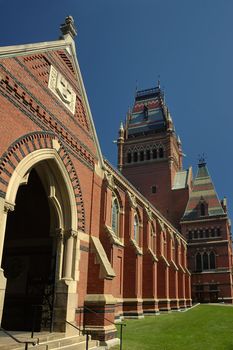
point(205, 327)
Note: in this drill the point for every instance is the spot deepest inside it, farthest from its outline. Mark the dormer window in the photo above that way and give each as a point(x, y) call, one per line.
point(203, 207)
point(145, 112)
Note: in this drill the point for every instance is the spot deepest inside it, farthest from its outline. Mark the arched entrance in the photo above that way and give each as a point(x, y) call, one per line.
point(39, 255)
point(29, 259)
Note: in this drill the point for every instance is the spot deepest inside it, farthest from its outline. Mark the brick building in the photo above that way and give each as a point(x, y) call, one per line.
point(82, 240)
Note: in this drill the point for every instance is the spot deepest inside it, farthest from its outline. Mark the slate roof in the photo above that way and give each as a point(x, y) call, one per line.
point(203, 191)
point(148, 113)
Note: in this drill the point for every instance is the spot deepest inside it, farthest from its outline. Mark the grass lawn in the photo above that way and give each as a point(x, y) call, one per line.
point(205, 327)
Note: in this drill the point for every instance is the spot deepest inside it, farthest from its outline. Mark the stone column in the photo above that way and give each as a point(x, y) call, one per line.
point(68, 254)
point(4, 208)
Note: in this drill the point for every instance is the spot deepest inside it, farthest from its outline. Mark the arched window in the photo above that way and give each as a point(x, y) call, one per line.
point(161, 152)
point(145, 111)
point(205, 261)
point(136, 228)
point(212, 260)
point(201, 234)
point(153, 239)
point(141, 156)
point(154, 153)
point(115, 216)
point(147, 154)
point(202, 209)
point(198, 262)
point(135, 157)
point(190, 235)
point(129, 157)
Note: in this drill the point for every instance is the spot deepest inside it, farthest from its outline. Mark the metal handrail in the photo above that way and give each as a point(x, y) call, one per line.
point(71, 324)
point(26, 342)
point(120, 324)
point(84, 332)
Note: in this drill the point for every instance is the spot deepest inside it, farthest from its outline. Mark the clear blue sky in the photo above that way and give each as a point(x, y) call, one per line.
point(188, 43)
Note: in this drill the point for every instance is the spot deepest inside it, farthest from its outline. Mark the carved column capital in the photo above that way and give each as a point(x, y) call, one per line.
point(149, 214)
point(109, 180)
point(70, 233)
point(8, 207)
point(132, 200)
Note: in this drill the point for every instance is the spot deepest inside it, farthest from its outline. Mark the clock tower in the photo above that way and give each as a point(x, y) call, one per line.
point(150, 155)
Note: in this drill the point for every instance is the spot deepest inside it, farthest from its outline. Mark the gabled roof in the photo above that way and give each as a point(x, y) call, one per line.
point(66, 42)
point(148, 113)
point(203, 192)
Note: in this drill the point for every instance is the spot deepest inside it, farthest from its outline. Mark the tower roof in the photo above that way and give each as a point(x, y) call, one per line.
point(203, 193)
point(148, 114)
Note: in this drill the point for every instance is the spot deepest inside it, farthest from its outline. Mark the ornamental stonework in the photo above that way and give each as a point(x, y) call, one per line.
point(62, 89)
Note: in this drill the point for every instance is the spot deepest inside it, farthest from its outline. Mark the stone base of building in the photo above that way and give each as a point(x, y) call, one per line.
point(150, 307)
point(225, 300)
point(164, 305)
point(105, 334)
point(189, 303)
point(119, 311)
point(132, 308)
point(174, 304)
point(99, 311)
point(182, 303)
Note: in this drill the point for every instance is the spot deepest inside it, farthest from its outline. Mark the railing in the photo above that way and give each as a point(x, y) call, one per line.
point(83, 331)
point(37, 309)
point(121, 324)
point(26, 342)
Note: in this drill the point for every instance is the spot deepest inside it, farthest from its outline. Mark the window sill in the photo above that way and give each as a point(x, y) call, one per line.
point(136, 247)
point(162, 257)
point(113, 238)
point(153, 255)
point(174, 265)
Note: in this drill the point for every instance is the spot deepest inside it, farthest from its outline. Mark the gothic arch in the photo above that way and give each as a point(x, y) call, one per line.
point(33, 142)
point(44, 153)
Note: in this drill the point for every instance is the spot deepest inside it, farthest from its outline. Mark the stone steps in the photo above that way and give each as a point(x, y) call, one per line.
point(54, 341)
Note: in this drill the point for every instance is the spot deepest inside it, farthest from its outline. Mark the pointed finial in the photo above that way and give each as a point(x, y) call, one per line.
point(201, 161)
point(68, 27)
point(158, 81)
point(121, 126)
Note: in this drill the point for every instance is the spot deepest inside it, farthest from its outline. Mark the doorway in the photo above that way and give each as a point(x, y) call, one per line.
point(29, 259)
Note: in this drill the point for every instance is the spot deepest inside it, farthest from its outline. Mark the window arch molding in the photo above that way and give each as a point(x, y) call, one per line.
point(136, 227)
point(205, 260)
point(153, 238)
point(116, 214)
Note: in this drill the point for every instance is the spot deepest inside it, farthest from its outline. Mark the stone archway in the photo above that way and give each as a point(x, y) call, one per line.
point(60, 229)
point(29, 259)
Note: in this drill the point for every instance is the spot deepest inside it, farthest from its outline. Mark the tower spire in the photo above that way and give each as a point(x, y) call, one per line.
point(201, 160)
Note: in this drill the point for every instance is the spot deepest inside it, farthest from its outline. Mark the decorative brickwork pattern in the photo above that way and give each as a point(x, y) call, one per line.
point(38, 112)
point(39, 65)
